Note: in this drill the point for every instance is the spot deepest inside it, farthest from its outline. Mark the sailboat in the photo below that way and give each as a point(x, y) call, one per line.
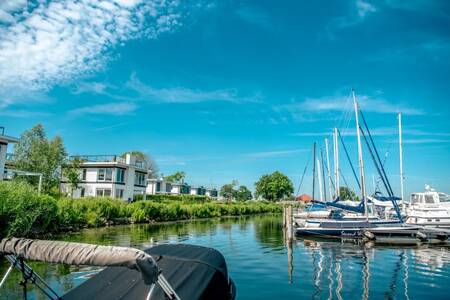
point(354, 225)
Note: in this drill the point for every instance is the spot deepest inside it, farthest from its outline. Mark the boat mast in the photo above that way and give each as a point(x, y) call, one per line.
point(329, 170)
point(314, 171)
point(336, 162)
point(360, 156)
point(400, 144)
point(319, 175)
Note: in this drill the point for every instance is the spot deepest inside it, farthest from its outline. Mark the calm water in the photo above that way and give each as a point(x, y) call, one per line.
point(264, 268)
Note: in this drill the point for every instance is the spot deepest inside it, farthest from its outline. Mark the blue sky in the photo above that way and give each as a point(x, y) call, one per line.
point(231, 89)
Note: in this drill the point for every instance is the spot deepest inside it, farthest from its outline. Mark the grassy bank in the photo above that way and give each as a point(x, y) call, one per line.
point(25, 213)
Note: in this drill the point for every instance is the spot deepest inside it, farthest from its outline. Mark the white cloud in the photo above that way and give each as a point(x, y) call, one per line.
point(364, 8)
point(381, 131)
point(10, 7)
point(344, 103)
point(61, 40)
point(274, 154)
point(185, 95)
point(425, 141)
point(254, 15)
point(21, 113)
point(117, 109)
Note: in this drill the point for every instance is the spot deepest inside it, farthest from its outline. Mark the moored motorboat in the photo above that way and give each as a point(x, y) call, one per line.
point(170, 271)
point(429, 208)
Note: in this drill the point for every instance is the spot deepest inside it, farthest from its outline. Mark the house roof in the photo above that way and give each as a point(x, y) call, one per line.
point(6, 139)
point(304, 197)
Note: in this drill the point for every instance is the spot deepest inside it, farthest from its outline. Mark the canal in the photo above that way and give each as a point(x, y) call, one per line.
point(264, 267)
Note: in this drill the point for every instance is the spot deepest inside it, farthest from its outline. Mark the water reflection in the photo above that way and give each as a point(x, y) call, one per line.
point(327, 258)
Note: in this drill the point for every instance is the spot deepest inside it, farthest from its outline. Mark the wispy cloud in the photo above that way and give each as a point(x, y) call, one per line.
point(274, 154)
point(106, 128)
point(116, 109)
point(356, 13)
point(21, 113)
point(343, 103)
point(382, 131)
point(425, 141)
point(52, 42)
point(8, 8)
point(364, 8)
point(254, 15)
point(185, 95)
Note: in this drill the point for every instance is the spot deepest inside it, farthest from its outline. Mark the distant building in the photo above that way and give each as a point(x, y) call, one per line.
point(110, 176)
point(158, 186)
point(4, 141)
point(212, 193)
point(304, 198)
point(161, 186)
point(200, 191)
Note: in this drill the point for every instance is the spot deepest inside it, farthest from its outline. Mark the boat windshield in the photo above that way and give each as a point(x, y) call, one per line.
point(429, 199)
point(444, 197)
point(415, 198)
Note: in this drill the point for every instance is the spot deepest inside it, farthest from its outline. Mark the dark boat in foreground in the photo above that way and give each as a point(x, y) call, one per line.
point(169, 271)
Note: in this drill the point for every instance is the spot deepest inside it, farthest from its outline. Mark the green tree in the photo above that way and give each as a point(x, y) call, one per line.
point(149, 161)
point(227, 190)
point(36, 153)
point(72, 173)
point(242, 194)
point(347, 194)
point(274, 187)
point(176, 177)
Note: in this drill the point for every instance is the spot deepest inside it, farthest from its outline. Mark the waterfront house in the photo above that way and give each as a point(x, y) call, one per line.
point(200, 191)
point(110, 176)
point(212, 193)
point(161, 186)
point(4, 141)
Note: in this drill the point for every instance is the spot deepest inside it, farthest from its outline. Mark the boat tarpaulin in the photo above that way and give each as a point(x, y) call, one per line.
point(82, 254)
point(194, 272)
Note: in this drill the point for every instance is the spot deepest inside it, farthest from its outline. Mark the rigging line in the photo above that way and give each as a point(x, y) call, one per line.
point(348, 158)
point(374, 160)
point(303, 175)
point(376, 152)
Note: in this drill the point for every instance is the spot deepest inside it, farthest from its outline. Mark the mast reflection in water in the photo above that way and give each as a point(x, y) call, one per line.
point(266, 266)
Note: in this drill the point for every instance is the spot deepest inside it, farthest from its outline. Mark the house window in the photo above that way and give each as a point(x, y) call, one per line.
point(82, 193)
point(103, 192)
point(168, 187)
point(158, 186)
point(101, 175)
point(104, 174)
point(120, 175)
point(119, 193)
point(139, 178)
point(83, 177)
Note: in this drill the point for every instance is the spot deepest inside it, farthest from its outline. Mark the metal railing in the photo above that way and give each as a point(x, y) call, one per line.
point(99, 158)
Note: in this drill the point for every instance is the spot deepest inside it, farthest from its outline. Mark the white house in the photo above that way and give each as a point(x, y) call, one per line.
point(212, 193)
point(160, 186)
point(200, 191)
point(4, 141)
point(110, 176)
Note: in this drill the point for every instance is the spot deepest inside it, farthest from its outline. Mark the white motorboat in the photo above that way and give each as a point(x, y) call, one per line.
point(430, 208)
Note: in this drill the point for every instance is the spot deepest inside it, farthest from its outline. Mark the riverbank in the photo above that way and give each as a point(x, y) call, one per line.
point(25, 213)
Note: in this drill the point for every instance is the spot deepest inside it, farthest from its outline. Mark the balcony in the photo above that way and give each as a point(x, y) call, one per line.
point(99, 158)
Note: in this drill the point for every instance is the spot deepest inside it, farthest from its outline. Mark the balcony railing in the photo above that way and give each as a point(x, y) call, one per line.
point(99, 158)
point(10, 157)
